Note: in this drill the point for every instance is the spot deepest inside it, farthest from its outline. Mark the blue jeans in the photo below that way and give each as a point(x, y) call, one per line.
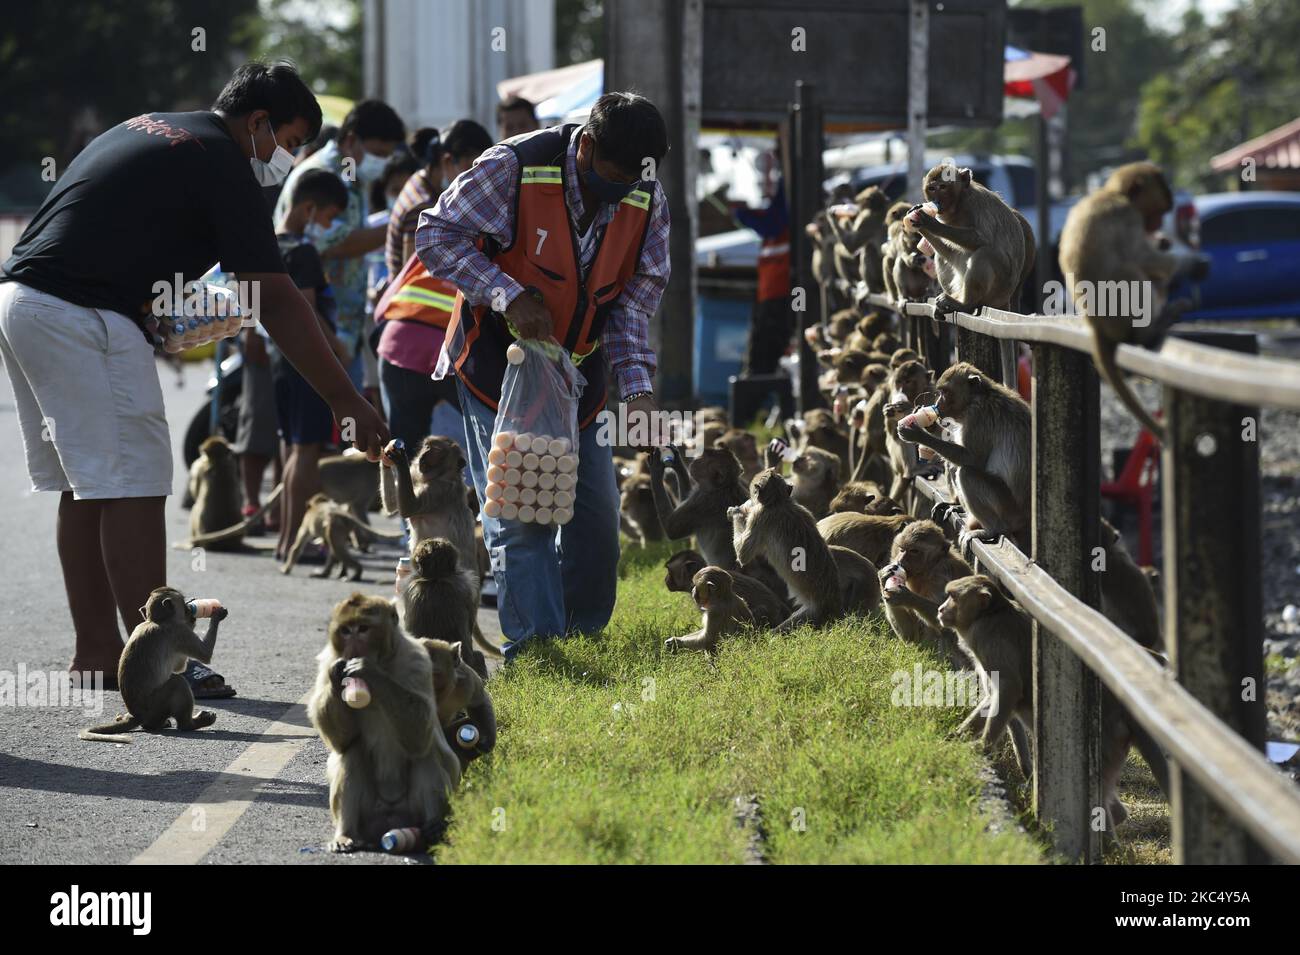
point(550, 581)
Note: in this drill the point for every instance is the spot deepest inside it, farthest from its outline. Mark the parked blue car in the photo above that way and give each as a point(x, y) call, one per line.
point(1253, 242)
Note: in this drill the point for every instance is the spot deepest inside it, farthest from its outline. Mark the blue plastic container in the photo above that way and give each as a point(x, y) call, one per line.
point(722, 314)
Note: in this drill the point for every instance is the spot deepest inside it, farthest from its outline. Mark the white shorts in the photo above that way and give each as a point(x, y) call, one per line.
point(89, 402)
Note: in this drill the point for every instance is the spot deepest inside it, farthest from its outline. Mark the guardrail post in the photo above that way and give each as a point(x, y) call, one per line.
point(1213, 618)
point(805, 200)
point(943, 332)
point(982, 351)
point(931, 344)
point(1067, 695)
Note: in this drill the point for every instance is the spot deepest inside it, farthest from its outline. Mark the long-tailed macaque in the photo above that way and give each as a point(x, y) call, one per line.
point(771, 525)
point(992, 459)
point(929, 563)
point(724, 611)
point(768, 608)
point(333, 524)
point(215, 521)
point(440, 600)
point(908, 272)
point(638, 516)
point(149, 672)
point(462, 699)
point(983, 249)
point(998, 640)
point(712, 485)
point(870, 535)
point(429, 493)
point(389, 766)
point(1106, 244)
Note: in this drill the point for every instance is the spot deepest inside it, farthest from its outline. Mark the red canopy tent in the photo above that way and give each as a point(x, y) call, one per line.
point(1045, 77)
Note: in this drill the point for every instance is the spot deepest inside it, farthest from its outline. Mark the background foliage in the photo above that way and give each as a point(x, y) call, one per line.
point(1176, 90)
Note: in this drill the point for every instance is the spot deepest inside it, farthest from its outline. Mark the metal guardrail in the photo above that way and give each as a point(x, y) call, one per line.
point(1222, 762)
point(1195, 369)
point(1229, 804)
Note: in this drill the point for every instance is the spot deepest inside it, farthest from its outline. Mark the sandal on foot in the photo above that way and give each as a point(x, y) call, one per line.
point(207, 683)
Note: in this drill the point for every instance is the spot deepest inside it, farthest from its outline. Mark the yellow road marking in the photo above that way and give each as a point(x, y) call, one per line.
point(206, 821)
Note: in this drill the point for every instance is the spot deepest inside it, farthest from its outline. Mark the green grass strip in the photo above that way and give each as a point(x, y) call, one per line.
point(612, 751)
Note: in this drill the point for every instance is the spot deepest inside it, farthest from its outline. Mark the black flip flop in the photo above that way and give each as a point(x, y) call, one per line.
point(197, 674)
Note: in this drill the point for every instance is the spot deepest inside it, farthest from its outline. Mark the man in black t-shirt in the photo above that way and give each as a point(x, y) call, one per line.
point(159, 198)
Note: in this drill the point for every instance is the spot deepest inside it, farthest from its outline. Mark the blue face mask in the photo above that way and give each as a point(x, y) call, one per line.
point(604, 190)
point(313, 232)
point(371, 167)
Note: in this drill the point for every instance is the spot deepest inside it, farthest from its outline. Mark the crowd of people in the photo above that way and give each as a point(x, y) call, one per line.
point(345, 221)
point(389, 285)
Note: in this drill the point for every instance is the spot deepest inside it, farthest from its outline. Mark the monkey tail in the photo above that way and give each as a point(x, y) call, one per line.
point(367, 529)
point(484, 644)
point(1103, 352)
point(107, 734)
point(857, 455)
point(237, 531)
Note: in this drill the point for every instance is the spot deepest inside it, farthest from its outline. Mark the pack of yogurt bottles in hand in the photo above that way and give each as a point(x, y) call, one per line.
point(213, 313)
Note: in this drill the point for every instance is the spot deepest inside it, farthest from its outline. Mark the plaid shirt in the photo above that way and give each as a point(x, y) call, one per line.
point(346, 276)
point(418, 194)
point(480, 201)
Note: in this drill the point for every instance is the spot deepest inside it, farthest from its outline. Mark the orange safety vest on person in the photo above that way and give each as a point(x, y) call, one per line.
point(543, 257)
point(774, 267)
point(416, 296)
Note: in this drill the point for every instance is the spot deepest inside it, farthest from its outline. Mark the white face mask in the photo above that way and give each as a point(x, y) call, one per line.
point(371, 167)
point(271, 172)
point(314, 232)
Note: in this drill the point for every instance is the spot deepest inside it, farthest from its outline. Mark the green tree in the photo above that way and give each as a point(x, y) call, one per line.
point(1228, 82)
point(1122, 51)
point(323, 37)
point(579, 31)
point(72, 69)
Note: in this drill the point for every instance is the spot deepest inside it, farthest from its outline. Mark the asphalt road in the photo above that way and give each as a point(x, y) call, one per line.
point(251, 788)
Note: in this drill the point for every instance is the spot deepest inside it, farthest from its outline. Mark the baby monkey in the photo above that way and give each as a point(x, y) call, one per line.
point(724, 611)
point(149, 673)
point(462, 699)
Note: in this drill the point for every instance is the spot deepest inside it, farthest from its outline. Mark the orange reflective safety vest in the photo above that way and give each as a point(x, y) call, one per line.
point(774, 267)
point(543, 257)
point(416, 296)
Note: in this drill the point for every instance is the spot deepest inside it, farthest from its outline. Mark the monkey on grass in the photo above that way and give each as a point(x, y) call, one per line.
point(773, 526)
point(725, 612)
point(997, 638)
point(768, 608)
point(711, 485)
point(462, 699)
point(149, 674)
point(440, 600)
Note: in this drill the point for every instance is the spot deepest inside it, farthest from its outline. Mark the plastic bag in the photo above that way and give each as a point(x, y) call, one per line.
point(533, 464)
point(210, 313)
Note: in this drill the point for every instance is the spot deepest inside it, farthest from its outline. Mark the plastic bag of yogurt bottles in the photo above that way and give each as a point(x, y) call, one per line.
point(210, 313)
point(532, 472)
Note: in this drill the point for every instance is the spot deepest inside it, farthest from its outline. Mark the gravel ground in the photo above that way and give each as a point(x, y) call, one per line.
point(1280, 529)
